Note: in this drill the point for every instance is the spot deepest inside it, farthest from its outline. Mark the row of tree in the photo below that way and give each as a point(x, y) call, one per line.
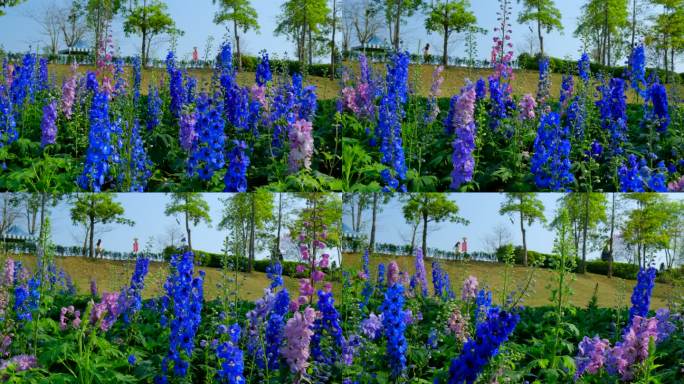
point(647, 223)
point(252, 221)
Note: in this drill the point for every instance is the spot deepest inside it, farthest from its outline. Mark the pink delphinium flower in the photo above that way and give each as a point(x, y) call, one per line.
point(300, 268)
point(362, 275)
point(349, 99)
point(458, 326)
point(64, 319)
point(469, 290)
point(8, 276)
point(592, 355)
point(372, 326)
point(69, 92)
point(9, 76)
point(633, 349)
point(301, 145)
point(305, 287)
point(259, 94)
point(317, 276)
point(20, 363)
point(325, 260)
point(392, 273)
point(298, 332)
point(106, 311)
point(527, 107)
point(187, 133)
point(437, 81)
point(676, 186)
point(421, 275)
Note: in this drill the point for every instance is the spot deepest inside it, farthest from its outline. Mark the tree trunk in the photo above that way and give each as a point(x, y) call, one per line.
point(585, 226)
point(445, 54)
point(237, 44)
point(371, 245)
point(413, 238)
point(397, 24)
point(43, 198)
point(359, 213)
point(310, 45)
point(610, 241)
point(91, 240)
point(522, 231)
point(279, 254)
point(252, 224)
point(541, 37)
point(143, 31)
point(187, 229)
point(332, 43)
point(425, 223)
point(632, 41)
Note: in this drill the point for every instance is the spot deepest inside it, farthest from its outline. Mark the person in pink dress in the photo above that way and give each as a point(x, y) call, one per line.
point(464, 245)
point(195, 56)
point(136, 247)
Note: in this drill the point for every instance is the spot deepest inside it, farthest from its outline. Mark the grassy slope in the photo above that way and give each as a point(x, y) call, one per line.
point(112, 275)
point(420, 78)
point(491, 275)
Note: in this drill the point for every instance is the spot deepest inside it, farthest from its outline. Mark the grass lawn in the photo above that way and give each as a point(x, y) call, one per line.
point(113, 275)
point(420, 77)
point(491, 275)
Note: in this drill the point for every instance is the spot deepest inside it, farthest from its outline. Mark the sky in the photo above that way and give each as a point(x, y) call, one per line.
point(195, 17)
point(481, 210)
point(151, 224)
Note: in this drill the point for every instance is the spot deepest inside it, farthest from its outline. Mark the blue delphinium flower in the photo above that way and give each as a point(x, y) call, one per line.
point(483, 302)
point(274, 272)
point(190, 85)
point(8, 124)
point(48, 125)
point(641, 295)
point(263, 71)
point(236, 174)
point(550, 162)
point(381, 275)
point(465, 131)
point(176, 90)
point(92, 84)
point(42, 83)
point(388, 131)
point(366, 261)
point(476, 353)
point(499, 104)
point(567, 87)
point(629, 176)
point(23, 85)
point(181, 313)
point(575, 117)
point(636, 71)
point(140, 165)
point(657, 94)
point(583, 67)
point(437, 279)
point(26, 298)
point(101, 151)
point(480, 89)
point(327, 325)
point(130, 299)
point(137, 79)
point(131, 360)
point(274, 328)
point(394, 324)
point(446, 283)
point(305, 98)
point(120, 82)
point(544, 84)
point(657, 182)
point(613, 110)
point(154, 108)
point(367, 291)
point(207, 154)
point(230, 358)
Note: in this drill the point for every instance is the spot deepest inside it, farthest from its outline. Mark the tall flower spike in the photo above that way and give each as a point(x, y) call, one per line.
point(464, 143)
point(48, 125)
point(551, 159)
point(395, 325)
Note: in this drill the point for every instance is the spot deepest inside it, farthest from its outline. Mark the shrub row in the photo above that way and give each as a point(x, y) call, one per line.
point(544, 260)
point(557, 65)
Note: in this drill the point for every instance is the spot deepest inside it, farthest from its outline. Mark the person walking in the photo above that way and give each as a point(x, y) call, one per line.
point(136, 247)
point(98, 249)
point(195, 56)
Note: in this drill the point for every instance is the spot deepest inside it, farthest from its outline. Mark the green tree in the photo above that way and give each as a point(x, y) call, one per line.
point(300, 20)
point(675, 230)
point(668, 32)
point(149, 19)
point(395, 12)
point(192, 207)
point(585, 211)
point(8, 3)
point(602, 22)
point(90, 209)
point(528, 208)
point(430, 208)
point(246, 216)
point(545, 14)
point(99, 14)
point(243, 17)
point(447, 18)
point(643, 228)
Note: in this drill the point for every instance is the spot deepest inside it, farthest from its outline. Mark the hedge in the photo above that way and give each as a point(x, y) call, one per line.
point(556, 65)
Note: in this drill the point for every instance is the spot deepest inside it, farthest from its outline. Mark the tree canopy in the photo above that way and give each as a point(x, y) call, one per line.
point(148, 20)
point(448, 18)
point(543, 13)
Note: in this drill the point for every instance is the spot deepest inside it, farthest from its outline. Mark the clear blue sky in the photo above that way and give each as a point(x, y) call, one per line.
point(151, 224)
point(195, 17)
point(481, 210)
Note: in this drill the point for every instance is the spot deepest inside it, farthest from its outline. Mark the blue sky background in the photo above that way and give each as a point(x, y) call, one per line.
point(151, 225)
point(195, 17)
point(481, 209)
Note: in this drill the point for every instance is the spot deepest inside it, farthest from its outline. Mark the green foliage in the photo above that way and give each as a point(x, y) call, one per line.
point(149, 20)
point(239, 12)
point(448, 18)
point(8, 3)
